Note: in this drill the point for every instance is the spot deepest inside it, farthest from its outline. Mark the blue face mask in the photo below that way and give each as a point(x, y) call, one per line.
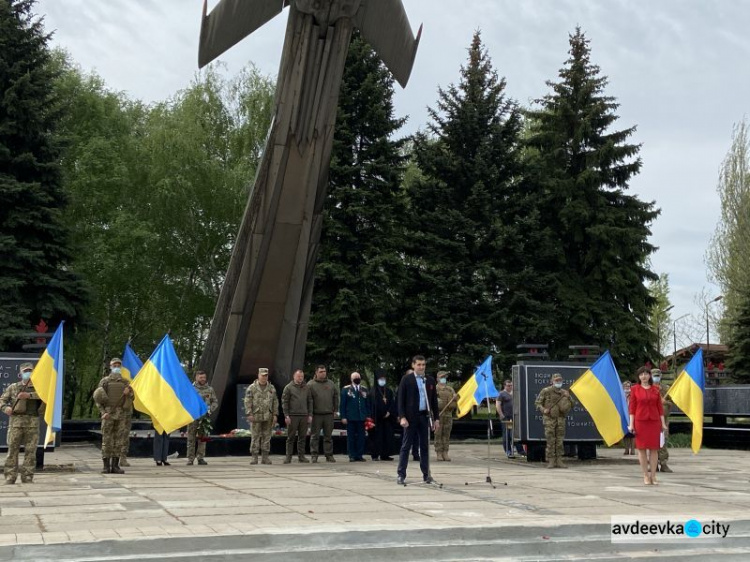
point(443, 381)
point(381, 382)
point(26, 375)
point(116, 370)
point(657, 379)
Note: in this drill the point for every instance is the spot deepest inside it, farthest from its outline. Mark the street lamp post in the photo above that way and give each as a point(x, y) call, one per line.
point(674, 334)
point(658, 334)
point(708, 328)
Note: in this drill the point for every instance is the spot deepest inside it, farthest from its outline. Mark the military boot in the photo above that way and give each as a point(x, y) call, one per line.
point(559, 463)
point(202, 461)
point(551, 463)
point(330, 458)
point(27, 479)
point(664, 468)
point(254, 459)
point(303, 458)
point(314, 459)
point(10, 480)
point(445, 456)
point(439, 454)
point(288, 459)
point(266, 459)
point(116, 466)
point(124, 461)
point(107, 468)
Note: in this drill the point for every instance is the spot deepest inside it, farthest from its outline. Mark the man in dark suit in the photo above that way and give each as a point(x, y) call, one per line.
point(417, 411)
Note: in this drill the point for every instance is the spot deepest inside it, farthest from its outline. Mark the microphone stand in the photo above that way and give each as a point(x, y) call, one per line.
point(488, 479)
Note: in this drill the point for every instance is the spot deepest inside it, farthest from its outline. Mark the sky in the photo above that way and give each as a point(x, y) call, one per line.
point(678, 68)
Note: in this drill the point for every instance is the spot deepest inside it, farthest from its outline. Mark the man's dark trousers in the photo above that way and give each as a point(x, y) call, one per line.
point(418, 430)
point(355, 439)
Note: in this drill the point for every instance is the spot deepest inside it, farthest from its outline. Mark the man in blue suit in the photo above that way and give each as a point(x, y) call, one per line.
point(355, 409)
point(417, 412)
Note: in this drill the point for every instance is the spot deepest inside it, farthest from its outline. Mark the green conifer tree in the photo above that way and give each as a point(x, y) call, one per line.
point(360, 271)
point(35, 278)
point(584, 166)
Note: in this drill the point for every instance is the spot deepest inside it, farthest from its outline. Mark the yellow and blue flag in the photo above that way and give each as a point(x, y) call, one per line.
point(165, 391)
point(687, 394)
point(600, 391)
point(131, 363)
point(479, 387)
point(47, 379)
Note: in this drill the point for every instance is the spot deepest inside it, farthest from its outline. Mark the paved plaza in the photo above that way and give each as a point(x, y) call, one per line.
point(232, 509)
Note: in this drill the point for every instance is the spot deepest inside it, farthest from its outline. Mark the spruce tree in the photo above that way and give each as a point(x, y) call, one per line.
point(474, 231)
point(738, 360)
point(583, 166)
point(35, 279)
point(360, 271)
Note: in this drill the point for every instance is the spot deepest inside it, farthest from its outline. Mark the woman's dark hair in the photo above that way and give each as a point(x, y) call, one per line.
point(642, 370)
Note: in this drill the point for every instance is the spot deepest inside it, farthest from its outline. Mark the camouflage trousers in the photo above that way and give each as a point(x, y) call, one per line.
point(195, 447)
point(261, 437)
point(112, 435)
point(554, 433)
point(124, 437)
point(23, 431)
point(443, 435)
point(663, 451)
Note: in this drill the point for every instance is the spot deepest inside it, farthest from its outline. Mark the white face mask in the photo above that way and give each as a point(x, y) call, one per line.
point(26, 375)
point(116, 370)
point(443, 381)
point(558, 385)
point(657, 379)
point(381, 382)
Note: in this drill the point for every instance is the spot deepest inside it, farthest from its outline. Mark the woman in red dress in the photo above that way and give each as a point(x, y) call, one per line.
point(647, 423)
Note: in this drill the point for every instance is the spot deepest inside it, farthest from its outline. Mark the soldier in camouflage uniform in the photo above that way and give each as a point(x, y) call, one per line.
point(297, 405)
point(554, 403)
point(261, 407)
point(195, 446)
point(667, 406)
point(23, 406)
point(114, 398)
point(126, 422)
point(447, 403)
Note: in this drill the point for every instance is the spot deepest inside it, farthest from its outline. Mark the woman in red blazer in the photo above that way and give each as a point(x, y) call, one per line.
point(647, 422)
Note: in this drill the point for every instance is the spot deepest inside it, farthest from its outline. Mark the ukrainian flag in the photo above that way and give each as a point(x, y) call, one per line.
point(479, 387)
point(47, 379)
point(600, 391)
point(131, 363)
point(165, 391)
point(687, 394)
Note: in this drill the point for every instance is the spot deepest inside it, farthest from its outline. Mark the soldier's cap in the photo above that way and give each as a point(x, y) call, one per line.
point(443, 374)
point(115, 360)
point(655, 372)
point(262, 371)
point(25, 366)
point(556, 376)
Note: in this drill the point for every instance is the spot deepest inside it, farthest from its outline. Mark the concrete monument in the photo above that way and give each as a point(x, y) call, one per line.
point(262, 314)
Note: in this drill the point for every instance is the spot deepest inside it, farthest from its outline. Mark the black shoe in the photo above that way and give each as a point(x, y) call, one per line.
point(429, 480)
point(165, 463)
point(201, 461)
point(158, 463)
point(352, 460)
point(400, 481)
point(386, 458)
point(374, 458)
